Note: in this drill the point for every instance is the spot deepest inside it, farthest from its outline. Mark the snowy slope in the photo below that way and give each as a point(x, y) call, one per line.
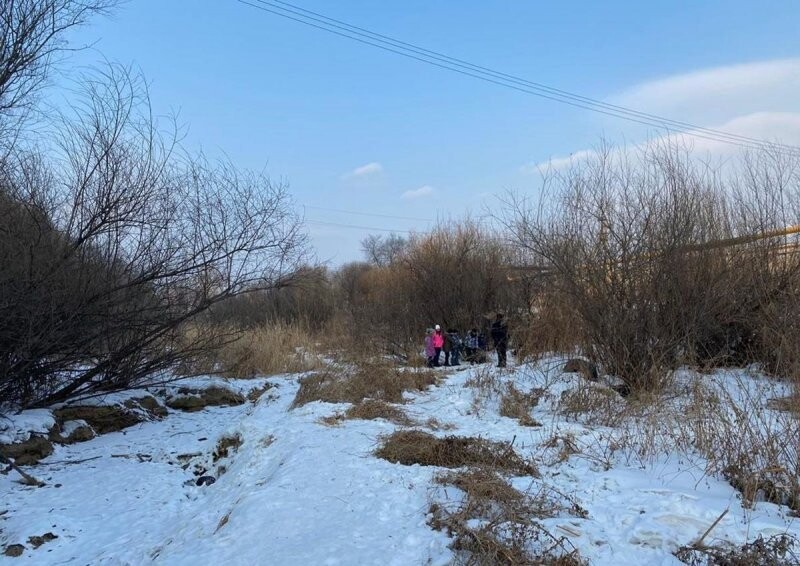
point(301, 492)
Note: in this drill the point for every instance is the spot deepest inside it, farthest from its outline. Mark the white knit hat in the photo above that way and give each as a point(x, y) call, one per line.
point(437, 327)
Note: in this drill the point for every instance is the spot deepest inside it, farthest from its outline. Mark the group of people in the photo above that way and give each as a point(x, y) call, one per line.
point(472, 345)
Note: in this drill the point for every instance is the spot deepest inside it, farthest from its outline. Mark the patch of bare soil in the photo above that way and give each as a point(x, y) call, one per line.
point(227, 445)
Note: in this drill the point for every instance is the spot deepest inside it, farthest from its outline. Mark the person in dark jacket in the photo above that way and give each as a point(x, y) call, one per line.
point(471, 346)
point(500, 337)
point(455, 346)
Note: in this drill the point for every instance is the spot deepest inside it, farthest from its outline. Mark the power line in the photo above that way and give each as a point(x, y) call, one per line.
point(357, 213)
point(434, 58)
point(370, 228)
point(512, 78)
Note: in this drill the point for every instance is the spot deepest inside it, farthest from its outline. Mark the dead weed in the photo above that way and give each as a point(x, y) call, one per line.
point(371, 409)
point(410, 447)
point(363, 381)
point(777, 550)
point(518, 405)
point(496, 524)
point(593, 405)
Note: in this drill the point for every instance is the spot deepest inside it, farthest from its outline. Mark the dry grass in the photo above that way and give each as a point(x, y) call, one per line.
point(191, 400)
point(789, 404)
point(223, 521)
point(366, 380)
point(486, 386)
point(278, 348)
point(564, 446)
point(593, 405)
point(410, 447)
point(777, 550)
point(753, 447)
point(518, 405)
point(371, 409)
point(496, 524)
point(726, 424)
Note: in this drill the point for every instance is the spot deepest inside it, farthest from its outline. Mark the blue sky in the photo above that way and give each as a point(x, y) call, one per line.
point(355, 128)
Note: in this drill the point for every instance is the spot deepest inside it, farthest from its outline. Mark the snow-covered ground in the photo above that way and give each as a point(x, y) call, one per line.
point(298, 491)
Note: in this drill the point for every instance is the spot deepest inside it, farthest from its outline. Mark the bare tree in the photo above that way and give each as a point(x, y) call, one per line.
point(126, 242)
point(659, 261)
point(453, 276)
point(32, 34)
point(384, 250)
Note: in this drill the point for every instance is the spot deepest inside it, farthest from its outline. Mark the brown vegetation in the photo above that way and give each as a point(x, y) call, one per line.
point(370, 409)
point(410, 447)
point(365, 380)
point(518, 405)
point(625, 251)
point(264, 350)
point(28, 452)
point(777, 550)
point(593, 405)
point(462, 257)
point(102, 419)
point(191, 400)
point(496, 524)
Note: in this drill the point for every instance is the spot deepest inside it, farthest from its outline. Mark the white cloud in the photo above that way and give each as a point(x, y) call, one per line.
point(721, 92)
point(755, 100)
point(365, 171)
point(557, 162)
point(769, 126)
point(423, 191)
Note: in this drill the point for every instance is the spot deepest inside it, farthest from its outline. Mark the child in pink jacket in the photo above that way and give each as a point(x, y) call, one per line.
point(438, 344)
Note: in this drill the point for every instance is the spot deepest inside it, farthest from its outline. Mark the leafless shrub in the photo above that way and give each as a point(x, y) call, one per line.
point(462, 257)
point(434, 424)
point(383, 251)
point(126, 245)
point(593, 405)
point(720, 421)
point(486, 385)
point(654, 261)
point(553, 325)
point(565, 444)
point(496, 524)
point(308, 303)
point(753, 447)
point(777, 550)
point(416, 447)
point(518, 405)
